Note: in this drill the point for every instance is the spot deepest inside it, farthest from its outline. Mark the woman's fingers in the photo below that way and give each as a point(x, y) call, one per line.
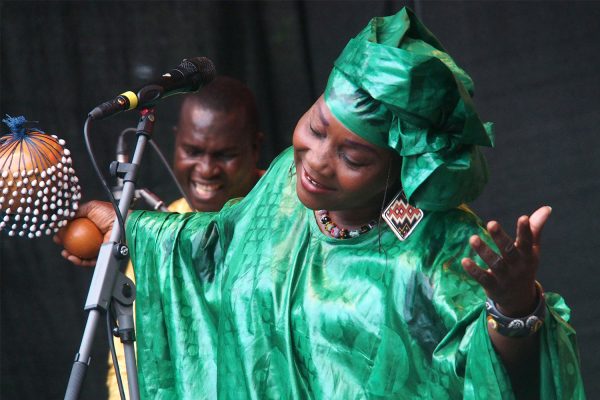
point(524, 236)
point(529, 229)
point(482, 276)
point(505, 243)
point(489, 256)
point(56, 239)
point(76, 260)
point(537, 221)
point(101, 213)
point(85, 209)
point(512, 273)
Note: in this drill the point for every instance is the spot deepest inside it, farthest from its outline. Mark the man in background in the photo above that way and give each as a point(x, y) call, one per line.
point(217, 144)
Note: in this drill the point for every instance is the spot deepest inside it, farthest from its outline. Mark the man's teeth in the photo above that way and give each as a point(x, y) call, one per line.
point(201, 187)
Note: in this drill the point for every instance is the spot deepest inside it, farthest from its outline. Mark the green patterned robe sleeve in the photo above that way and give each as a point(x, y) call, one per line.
point(465, 357)
point(175, 259)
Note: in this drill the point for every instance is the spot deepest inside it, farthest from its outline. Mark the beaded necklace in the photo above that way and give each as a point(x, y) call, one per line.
point(342, 233)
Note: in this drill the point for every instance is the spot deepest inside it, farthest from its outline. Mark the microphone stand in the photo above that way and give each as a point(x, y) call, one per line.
point(122, 155)
point(150, 198)
point(109, 286)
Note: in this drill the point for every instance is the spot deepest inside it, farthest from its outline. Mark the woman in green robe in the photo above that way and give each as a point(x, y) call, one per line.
point(300, 290)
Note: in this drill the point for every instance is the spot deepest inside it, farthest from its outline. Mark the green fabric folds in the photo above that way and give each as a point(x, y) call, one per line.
point(395, 86)
point(254, 302)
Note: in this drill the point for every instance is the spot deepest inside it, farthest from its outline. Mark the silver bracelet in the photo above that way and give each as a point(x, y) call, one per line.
point(517, 327)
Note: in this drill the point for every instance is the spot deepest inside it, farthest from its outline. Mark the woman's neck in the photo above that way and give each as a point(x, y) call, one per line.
point(354, 218)
point(357, 217)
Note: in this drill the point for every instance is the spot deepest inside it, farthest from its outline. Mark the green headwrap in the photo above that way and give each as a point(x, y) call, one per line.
point(395, 86)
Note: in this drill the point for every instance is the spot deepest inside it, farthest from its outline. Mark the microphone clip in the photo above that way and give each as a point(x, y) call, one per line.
point(124, 171)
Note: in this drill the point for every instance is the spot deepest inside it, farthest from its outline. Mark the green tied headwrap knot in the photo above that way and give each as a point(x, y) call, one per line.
point(395, 86)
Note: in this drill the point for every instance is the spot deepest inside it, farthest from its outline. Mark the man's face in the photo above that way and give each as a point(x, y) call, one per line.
point(215, 156)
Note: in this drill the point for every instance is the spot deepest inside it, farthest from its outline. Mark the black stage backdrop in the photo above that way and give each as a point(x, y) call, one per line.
point(535, 65)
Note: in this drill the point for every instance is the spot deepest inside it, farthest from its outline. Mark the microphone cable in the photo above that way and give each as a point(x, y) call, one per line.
point(164, 161)
point(110, 325)
point(88, 145)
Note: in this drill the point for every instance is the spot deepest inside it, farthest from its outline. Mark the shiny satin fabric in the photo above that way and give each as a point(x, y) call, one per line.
point(254, 302)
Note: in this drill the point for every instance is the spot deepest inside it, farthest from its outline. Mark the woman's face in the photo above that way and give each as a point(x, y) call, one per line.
point(336, 169)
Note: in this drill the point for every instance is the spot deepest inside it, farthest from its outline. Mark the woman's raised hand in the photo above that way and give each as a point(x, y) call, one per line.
point(510, 279)
point(102, 215)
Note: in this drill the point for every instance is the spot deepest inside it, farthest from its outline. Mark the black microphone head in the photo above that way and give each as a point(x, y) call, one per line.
point(189, 76)
point(205, 67)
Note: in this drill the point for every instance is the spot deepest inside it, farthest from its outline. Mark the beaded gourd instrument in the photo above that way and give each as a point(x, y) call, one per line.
point(39, 191)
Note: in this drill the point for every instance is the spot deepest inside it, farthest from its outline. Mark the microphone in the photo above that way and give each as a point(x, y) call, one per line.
point(122, 156)
point(122, 150)
point(152, 200)
point(189, 76)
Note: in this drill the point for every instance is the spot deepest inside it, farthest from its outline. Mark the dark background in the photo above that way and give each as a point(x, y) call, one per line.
point(535, 66)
